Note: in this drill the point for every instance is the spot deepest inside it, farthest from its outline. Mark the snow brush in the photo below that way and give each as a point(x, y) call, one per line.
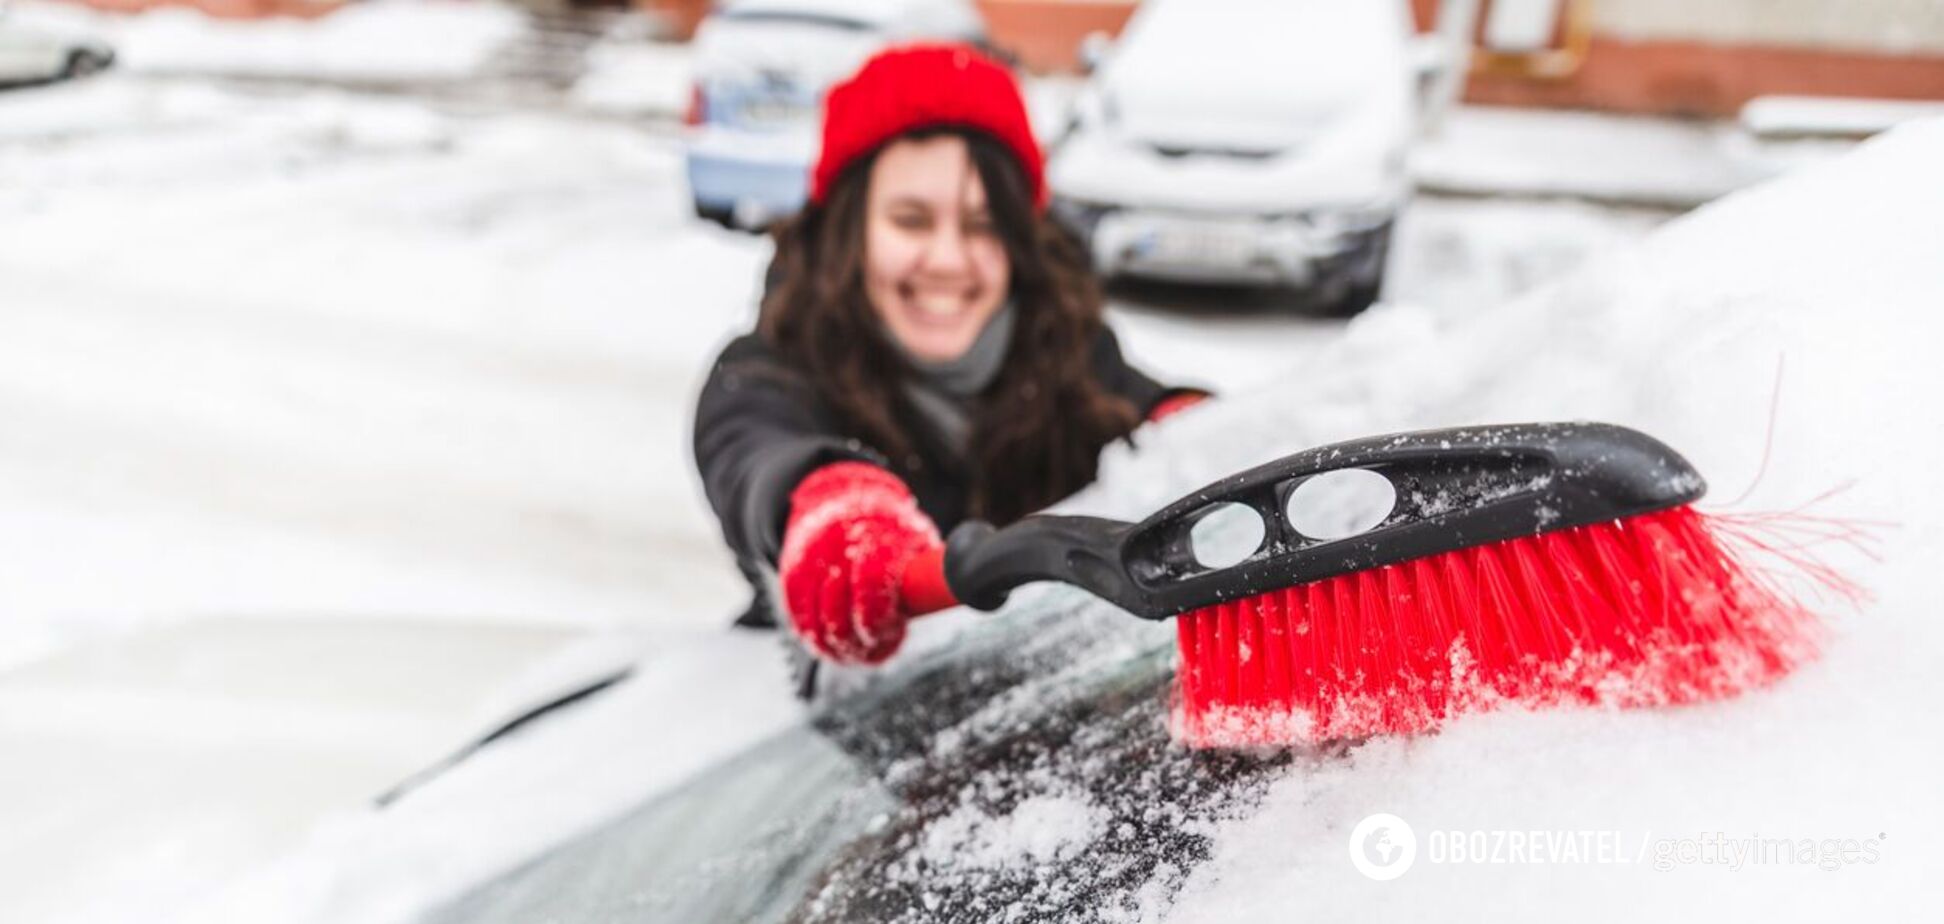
point(1382, 585)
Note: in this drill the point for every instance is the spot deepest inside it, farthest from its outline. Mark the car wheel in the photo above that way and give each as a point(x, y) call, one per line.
point(1361, 280)
point(81, 63)
point(720, 214)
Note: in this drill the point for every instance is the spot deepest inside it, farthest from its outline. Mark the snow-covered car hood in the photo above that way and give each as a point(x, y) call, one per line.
point(1027, 766)
point(817, 42)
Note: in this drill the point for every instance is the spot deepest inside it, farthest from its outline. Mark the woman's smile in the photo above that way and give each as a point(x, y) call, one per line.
point(938, 307)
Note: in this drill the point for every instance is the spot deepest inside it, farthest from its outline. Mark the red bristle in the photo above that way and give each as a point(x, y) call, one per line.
point(1501, 643)
point(1277, 680)
point(1413, 648)
point(1553, 624)
point(1377, 638)
point(1188, 676)
point(1336, 604)
point(1219, 642)
point(1250, 689)
point(1233, 644)
point(1646, 611)
point(1305, 649)
point(1599, 623)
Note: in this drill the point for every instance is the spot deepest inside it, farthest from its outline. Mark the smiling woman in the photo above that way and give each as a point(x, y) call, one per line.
point(931, 348)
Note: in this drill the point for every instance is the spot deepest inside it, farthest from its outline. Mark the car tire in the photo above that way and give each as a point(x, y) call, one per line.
point(81, 63)
point(1361, 281)
point(721, 215)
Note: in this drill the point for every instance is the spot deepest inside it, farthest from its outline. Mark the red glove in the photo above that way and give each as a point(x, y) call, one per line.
point(1175, 404)
point(853, 528)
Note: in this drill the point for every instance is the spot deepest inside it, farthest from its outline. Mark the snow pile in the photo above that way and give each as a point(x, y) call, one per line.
point(1606, 158)
point(1781, 339)
point(1827, 116)
point(391, 40)
point(1043, 828)
point(342, 355)
point(630, 77)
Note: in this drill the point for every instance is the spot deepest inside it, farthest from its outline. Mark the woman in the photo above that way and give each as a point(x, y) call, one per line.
point(930, 349)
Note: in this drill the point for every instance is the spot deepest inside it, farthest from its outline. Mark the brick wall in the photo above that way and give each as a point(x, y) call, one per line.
point(226, 9)
point(1709, 57)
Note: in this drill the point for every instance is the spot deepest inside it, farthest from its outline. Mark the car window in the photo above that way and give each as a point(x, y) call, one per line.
point(801, 17)
point(1028, 767)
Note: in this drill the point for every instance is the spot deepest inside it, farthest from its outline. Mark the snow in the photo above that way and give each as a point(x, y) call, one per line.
point(244, 732)
point(325, 356)
point(380, 379)
point(1829, 115)
point(380, 40)
point(1825, 284)
point(1606, 158)
point(561, 778)
point(630, 78)
point(1043, 828)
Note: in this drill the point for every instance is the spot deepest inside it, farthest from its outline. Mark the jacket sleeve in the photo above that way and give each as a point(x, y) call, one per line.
point(758, 431)
point(1114, 372)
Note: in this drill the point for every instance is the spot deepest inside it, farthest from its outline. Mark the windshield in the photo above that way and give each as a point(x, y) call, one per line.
point(1028, 767)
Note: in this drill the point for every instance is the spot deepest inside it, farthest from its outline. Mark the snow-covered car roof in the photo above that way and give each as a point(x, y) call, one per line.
point(873, 14)
point(1304, 54)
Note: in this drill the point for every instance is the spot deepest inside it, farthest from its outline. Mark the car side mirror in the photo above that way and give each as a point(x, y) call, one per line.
point(1430, 57)
point(1438, 69)
point(1094, 49)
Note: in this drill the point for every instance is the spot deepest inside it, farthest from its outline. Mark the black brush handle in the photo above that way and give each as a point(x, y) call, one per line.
point(1455, 488)
point(984, 564)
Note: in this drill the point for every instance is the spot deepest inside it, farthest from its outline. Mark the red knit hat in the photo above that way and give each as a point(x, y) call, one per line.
point(920, 86)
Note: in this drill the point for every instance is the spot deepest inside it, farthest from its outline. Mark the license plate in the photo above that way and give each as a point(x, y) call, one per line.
point(1199, 246)
point(775, 112)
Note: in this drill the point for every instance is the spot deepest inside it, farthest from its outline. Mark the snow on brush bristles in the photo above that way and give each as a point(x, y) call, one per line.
point(1652, 610)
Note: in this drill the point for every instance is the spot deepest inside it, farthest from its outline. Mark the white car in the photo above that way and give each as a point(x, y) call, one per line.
point(761, 69)
point(1246, 141)
point(30, 56)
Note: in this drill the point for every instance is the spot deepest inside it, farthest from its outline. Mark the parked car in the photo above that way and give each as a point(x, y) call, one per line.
point(1246, 141)
point(30, 56)
point(761, 69)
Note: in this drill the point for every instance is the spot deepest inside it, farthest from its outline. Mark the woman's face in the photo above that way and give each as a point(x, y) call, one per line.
point(934, 267)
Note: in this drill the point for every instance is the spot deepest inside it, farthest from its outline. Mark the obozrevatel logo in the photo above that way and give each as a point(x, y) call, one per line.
point(1383, 847)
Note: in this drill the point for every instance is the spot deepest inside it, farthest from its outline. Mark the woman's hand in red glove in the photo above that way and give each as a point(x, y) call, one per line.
point(853, 528)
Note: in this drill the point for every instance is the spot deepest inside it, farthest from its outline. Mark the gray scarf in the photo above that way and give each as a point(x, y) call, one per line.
point(943, 390)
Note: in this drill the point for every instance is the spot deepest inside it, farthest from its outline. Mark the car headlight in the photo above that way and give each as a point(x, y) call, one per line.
point(1350, 219)
point(1082, 218)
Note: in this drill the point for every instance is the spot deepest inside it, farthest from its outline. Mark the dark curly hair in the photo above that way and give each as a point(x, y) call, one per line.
point(1038, 430)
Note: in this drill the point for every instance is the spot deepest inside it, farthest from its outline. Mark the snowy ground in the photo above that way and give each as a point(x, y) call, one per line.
point(303, 358)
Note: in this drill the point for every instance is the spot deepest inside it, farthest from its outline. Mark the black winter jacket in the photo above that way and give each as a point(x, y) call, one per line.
point(760, 428)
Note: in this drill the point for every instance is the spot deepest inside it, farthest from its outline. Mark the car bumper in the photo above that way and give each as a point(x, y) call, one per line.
point(1294, 250)
point(755, 182)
